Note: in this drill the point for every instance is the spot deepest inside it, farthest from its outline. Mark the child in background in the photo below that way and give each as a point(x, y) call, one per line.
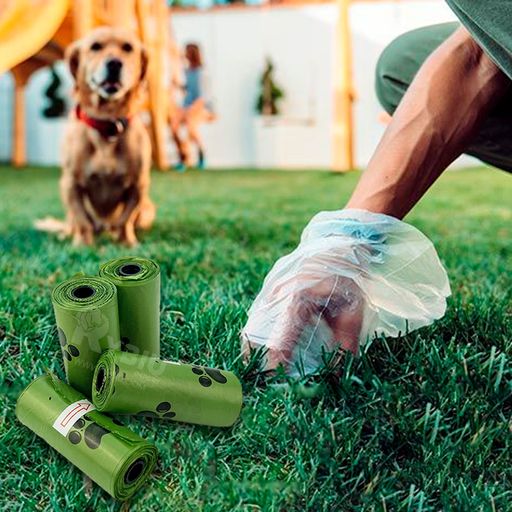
point(194, 110)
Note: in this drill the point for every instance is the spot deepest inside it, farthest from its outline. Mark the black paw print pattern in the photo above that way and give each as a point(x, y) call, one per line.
point(163, 410)
point(208, 375)
point(89, 431)
point(69, 351)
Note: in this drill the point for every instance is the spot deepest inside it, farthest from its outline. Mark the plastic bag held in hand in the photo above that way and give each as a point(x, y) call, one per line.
point(355, 274)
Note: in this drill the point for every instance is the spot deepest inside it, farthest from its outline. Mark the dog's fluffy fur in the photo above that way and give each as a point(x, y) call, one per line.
point(105, 182)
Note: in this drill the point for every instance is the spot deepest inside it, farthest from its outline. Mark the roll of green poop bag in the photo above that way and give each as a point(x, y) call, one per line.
point(138, 292)
point(127, 383)
point(114, 457)
point(87, 323)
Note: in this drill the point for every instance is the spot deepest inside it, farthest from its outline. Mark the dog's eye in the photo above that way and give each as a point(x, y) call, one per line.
point(96, 47)
point(127, 47)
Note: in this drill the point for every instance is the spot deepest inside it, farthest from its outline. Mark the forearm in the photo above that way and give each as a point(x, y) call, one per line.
point(437, 118)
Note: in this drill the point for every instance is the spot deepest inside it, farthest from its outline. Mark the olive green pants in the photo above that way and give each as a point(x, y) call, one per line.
point(396, 69)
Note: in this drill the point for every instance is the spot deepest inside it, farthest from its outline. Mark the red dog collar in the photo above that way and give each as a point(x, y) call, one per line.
point(107, 128)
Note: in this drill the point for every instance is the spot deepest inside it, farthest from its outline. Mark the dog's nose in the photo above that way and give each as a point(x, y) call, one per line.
point(114, 68)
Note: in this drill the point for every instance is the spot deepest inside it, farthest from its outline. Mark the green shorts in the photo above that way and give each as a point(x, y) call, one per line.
point(401, 60)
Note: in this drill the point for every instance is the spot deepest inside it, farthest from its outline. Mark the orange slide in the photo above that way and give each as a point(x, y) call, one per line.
point(26, 26)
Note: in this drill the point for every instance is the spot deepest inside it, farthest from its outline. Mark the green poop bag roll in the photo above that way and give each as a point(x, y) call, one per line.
point(87, 322)
point(114, 457)
point(128, 383)
point(138, 290)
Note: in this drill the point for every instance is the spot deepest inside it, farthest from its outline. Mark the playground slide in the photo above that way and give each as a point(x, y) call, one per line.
point(26, 26)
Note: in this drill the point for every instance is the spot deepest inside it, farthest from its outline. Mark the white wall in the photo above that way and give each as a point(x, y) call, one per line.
point(235, 44)
point(302, 43)
point(5, 116)
point(43, 135)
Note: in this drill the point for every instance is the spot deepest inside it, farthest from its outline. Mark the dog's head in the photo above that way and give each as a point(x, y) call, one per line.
point(108, 62)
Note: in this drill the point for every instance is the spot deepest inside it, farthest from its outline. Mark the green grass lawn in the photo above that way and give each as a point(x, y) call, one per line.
point(417, 423)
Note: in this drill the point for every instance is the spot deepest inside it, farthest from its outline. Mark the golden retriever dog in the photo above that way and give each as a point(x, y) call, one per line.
point(107, 151)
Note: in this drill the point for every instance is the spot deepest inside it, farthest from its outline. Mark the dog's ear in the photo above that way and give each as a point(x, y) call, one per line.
point(144, 58)
point(72, 56)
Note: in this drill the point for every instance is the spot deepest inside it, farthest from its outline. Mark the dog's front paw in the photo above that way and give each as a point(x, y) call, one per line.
point(130, 242)
point(79, 240)
point(127, 236)
point(83, 234)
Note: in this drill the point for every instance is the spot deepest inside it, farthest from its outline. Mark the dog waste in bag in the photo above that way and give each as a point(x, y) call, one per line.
point(114, 457)
point(354, 275)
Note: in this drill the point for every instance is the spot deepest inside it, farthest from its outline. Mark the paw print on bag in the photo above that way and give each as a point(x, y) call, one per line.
point(207, 374)
point(163, 411)
point(69, 351)
point(89, 431)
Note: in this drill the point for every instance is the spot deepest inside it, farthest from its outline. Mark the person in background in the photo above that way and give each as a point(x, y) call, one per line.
point(194, 111)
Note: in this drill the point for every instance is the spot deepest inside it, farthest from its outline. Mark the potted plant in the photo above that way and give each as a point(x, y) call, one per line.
point(271, 94)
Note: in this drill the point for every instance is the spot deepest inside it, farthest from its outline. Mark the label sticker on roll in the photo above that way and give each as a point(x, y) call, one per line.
point(71, 414)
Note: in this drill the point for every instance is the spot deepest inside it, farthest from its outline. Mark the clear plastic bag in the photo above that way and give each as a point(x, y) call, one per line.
point(355, 274)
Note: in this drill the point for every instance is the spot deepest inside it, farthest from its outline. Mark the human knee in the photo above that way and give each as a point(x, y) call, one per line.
point(390, 84)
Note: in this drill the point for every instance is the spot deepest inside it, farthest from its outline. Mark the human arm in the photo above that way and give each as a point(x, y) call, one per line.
point(439, 115)
point(437, 118)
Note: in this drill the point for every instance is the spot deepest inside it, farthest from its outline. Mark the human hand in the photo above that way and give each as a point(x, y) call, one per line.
point(353, 274)
point(311, 301)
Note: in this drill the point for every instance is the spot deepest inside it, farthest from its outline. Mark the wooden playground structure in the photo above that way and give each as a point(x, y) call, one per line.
point(34, 34)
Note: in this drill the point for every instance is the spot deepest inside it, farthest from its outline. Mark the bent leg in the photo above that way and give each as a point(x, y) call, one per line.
point(193, 120)
point(402, 58)
point(397, 67)
point(175, 120)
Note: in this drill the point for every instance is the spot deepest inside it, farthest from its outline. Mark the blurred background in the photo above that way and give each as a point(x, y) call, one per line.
point(311, 61)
